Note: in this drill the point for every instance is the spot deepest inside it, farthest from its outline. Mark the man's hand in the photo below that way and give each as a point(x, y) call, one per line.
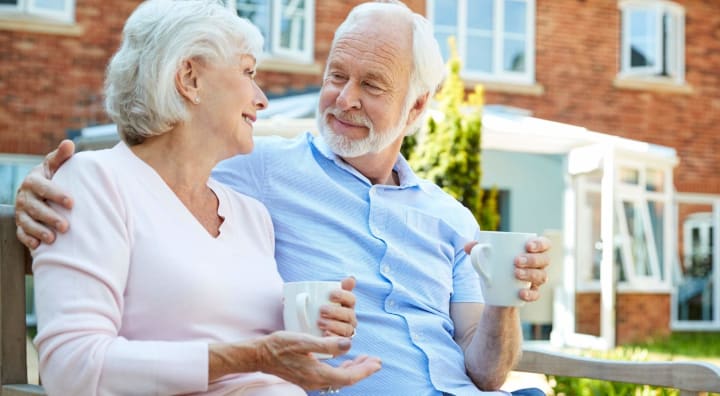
point(530, 267)
point(35, 219)
point(340, 319)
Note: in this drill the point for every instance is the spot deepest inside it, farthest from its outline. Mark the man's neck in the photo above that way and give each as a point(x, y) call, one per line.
point(378, 167)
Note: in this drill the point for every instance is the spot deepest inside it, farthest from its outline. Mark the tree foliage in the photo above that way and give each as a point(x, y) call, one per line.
point(448, 152)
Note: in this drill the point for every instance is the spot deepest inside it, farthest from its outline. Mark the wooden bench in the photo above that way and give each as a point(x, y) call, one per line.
point(691, 378)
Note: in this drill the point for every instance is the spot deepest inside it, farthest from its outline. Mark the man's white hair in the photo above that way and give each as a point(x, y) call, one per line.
point(141, 96)
point(428, 69)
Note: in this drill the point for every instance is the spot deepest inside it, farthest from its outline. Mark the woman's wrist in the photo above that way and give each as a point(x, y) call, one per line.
point(230, 358)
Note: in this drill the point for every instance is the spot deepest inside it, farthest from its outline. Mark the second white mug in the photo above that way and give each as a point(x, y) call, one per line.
point(494, 260)
point(301, 306)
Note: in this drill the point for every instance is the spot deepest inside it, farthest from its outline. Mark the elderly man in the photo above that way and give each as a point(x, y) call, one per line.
point(346, 203)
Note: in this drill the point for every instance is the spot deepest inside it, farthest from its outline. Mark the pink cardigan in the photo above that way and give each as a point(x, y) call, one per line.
point(130, 297)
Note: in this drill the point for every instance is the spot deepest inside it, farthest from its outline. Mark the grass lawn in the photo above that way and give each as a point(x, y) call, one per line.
point(683, 346)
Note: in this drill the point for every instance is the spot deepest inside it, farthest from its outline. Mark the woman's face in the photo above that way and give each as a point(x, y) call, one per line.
point(229, 102)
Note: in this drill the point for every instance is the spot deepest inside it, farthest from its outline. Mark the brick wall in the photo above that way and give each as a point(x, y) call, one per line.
point(50, 83)
point(639, 316)
point(577, 60)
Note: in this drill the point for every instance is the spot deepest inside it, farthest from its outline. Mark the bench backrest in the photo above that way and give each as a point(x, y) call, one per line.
point(14, 264)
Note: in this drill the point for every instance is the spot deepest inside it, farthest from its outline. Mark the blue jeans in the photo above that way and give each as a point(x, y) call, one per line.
point(528, 392)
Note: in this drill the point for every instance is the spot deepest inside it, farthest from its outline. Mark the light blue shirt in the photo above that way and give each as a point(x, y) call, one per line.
point(404, 244)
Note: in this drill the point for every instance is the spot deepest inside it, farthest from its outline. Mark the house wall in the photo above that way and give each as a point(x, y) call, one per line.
point(639, 316)
point(536, 186)
point(51, 83)
point(577, 58)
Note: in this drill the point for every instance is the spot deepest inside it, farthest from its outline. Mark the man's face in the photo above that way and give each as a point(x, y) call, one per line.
point(363, 100)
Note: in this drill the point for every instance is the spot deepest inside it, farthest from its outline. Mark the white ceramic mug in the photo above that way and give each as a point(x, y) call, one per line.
point(494, 260)
point(301, 306)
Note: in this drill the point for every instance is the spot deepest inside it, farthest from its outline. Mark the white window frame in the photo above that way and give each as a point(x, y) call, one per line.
point(29, 9)
point(637, 195)
point(498, 74)
point(301, 51)
point(674, 60)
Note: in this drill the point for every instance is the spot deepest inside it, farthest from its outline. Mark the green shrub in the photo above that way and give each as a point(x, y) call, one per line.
point(447, 151)
point(591, 387)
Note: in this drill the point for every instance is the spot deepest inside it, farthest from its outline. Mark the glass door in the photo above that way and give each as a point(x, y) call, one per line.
point(695, 303)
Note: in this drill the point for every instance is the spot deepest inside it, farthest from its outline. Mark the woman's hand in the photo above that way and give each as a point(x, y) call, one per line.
point(288, 356)
point(340, 320)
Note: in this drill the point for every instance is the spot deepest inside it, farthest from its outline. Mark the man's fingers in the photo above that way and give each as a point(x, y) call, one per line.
point(38, 211)
point(348, 283)
point(538, 245)
point(36, 187)
point(57, 157)
point(468, 246)
point(27, 240)
point(32, 229)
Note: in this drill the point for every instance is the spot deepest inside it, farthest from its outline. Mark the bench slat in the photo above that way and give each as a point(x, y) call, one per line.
point(687, 376)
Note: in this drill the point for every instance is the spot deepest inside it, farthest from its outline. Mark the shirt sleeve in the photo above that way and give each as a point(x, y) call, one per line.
point(466, 282)
point(79, 285)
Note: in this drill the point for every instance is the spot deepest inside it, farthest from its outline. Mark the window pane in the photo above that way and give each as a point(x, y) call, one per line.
point(50, 5)
point(480, 14)
point(479, 54)
point(655, 180)
point(593, 238)
point(638, 244)
point(657, 222)
point(515, 16)
point(292, 25)
point(643, 39)
point(629, 176)
point(514, 55)
point(445, 12)
point(258, 12)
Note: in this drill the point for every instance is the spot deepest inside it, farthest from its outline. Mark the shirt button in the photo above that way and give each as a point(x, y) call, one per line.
point(390, 303)
point(385, 269)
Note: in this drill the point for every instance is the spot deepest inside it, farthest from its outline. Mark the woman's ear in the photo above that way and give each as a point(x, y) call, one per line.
point(186, 80)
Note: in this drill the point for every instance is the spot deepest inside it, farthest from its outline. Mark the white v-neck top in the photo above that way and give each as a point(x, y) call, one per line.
point(130, 297)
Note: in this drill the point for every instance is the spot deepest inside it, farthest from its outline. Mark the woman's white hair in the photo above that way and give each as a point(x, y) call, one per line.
point(428, 69)
point(140, 92)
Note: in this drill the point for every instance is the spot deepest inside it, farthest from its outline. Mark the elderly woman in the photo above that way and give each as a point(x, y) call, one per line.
point(166, 284)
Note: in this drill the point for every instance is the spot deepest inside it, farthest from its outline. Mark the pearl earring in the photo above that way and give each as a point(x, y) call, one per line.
point(196, 100)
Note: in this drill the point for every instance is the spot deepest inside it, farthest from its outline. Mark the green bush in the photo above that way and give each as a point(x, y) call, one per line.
point(591, 387)
point(447, 151)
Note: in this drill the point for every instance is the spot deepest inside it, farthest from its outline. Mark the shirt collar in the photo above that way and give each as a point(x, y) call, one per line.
point(405, 174)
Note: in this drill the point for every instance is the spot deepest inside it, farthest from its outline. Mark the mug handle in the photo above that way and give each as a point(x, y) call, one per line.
point(480, 254)
point(302, 303)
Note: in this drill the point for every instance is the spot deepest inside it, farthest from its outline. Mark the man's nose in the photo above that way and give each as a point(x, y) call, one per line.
point(349, 97)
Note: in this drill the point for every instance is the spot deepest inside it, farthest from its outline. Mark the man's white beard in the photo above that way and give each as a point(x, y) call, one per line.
point(347, 147)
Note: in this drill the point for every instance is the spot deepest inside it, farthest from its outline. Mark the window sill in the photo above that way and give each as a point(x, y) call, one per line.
point(288, 66)
point(513, 88)
point(657, 84)
point(38, 26)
